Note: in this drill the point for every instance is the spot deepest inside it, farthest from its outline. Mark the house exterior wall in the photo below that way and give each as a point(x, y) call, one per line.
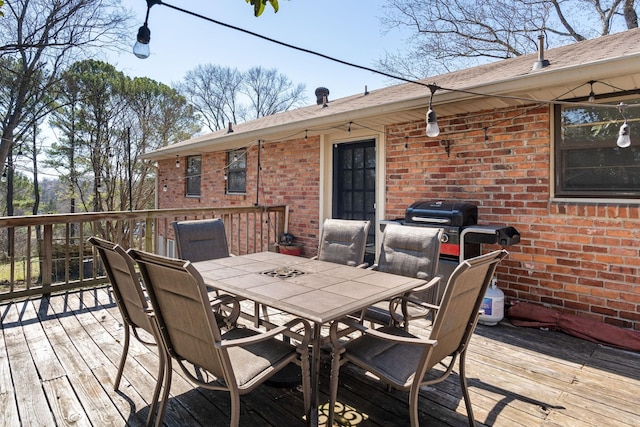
point(290, 176)
point(579, 257)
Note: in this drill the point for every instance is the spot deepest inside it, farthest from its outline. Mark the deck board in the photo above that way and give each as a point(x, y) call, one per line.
point(59, 356)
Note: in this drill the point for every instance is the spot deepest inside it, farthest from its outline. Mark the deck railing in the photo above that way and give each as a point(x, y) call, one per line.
point(41, 254)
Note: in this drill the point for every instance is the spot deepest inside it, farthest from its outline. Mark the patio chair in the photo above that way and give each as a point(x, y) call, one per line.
point(412, 252)
point(343, 241)
point(236, 361)
point(401, 359)
point(132, 303)
point(201, 240)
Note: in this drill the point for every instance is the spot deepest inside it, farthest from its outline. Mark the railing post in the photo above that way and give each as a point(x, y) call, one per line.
point(47, 258)
point(149, 231)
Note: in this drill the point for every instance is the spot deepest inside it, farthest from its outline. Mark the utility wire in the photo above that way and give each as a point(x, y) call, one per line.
point(432, 86)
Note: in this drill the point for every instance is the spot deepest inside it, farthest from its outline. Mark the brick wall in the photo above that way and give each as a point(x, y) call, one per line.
point(580, 258)
point(290, 176)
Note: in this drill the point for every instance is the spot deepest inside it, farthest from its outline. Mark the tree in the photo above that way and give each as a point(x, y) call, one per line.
point(40, 36)
point(213, 91)
point(451, 34)
point(270, 92)
point(216, 94)
point(156, 116)
point(105, 120)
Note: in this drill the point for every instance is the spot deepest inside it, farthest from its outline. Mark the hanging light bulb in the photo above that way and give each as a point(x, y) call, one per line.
point(4, 176)
point(141, 47)
point(624, 140)
point(592, 96)
point(433, 129)
point(164, 188)
point(177, 161)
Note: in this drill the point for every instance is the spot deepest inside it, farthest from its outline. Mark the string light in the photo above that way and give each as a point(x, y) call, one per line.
point(141, 47)
point(624, 139)
point(592, 96)
point(432, 123)
point(177, 160)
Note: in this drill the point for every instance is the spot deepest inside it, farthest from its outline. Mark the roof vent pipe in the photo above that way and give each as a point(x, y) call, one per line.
point(541, 62)
point(322, 96)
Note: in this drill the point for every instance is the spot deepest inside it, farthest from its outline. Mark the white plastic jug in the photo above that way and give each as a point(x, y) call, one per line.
point(492, 305)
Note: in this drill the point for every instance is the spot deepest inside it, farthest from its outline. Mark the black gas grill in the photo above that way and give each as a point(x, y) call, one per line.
point(452, 217)
point(462, 235)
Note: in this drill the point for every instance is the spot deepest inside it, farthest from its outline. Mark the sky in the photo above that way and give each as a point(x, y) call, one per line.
point(348, 30)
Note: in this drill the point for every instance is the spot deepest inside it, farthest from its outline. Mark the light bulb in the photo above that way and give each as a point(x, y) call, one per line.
point(624, 140)
point(432, 124)
point(164, 188)
point(141, 48)
point(177, 163)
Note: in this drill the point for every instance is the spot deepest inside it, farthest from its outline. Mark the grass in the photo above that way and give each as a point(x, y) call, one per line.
point(20, 272)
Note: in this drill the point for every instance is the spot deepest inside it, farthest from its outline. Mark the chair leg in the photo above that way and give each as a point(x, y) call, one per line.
point(235, 409)
point(465, 390)
point(123, 357)
point(162, 409)
point(162, 360)
point(414, 395)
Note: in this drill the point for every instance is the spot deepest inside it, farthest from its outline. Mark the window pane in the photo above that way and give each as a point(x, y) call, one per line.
point(588, 161)
point(236, 171)
point(193, 175)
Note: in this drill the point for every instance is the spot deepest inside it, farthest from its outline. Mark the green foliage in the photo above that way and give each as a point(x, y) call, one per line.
point(258, 6)
point(22, 195)
point(104, 122)
point(1, 4)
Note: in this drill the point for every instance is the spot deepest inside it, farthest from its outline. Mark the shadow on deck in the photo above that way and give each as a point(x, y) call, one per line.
point(58, 357)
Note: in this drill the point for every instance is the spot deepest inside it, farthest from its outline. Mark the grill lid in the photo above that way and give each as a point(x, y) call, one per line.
point(438, 212)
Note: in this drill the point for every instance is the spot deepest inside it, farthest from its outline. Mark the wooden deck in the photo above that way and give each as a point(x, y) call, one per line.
point(58, 357)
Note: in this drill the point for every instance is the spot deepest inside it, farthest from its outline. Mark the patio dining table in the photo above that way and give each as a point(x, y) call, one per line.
point(318, 291)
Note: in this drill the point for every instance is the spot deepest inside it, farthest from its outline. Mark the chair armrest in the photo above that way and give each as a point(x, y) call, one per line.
point(354, 324)
point(408, 299)
point(271, 333)
point(373, 267)
point(314, 257)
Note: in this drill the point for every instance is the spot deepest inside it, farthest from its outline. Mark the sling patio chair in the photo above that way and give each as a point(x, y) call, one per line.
point(131, 301)
point(201, 240)
point(403, 360)
point(343, 241)
point(412, 252)
point(236, 361)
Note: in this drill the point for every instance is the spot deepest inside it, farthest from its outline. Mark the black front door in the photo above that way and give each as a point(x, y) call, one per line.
point(354, 185)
